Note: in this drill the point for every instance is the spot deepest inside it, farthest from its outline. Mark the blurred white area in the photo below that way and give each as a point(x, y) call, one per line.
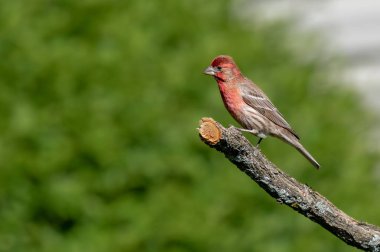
point(351, 27)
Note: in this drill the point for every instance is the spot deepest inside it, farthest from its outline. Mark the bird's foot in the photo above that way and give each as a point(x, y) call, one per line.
point(252, 131)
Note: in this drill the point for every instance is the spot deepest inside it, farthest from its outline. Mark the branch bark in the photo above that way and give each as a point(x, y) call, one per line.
point(287, 190)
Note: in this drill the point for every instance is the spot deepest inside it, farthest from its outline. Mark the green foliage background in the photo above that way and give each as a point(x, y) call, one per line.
point(99, 151)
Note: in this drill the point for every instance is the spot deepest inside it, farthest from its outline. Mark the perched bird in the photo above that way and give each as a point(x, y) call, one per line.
point(250, 107)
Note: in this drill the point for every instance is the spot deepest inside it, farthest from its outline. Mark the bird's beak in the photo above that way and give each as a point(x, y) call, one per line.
point(210, 71)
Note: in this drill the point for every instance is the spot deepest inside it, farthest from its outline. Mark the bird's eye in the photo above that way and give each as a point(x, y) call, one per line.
point(219, 68)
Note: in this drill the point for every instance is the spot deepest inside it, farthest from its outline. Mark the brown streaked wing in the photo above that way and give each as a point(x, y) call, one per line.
point(254, 97)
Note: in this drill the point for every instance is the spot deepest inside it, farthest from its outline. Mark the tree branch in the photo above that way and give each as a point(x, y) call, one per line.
point(286, 189)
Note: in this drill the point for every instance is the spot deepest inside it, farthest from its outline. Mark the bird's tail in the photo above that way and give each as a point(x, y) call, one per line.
point(292, 140)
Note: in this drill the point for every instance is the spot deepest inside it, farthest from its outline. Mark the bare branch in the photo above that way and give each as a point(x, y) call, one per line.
point(286, 189)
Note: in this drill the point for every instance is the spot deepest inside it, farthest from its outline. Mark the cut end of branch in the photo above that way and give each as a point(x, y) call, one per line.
point(209, 131)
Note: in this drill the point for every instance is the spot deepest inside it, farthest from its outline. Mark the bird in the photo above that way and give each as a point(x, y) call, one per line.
point(251, 107)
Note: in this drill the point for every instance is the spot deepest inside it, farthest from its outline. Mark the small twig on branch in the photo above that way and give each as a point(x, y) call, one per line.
point(286, 189)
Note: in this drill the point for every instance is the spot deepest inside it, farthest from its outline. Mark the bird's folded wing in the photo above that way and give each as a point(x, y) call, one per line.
point(254, 97)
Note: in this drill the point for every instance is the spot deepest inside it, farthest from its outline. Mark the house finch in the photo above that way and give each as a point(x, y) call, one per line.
point(250, 107)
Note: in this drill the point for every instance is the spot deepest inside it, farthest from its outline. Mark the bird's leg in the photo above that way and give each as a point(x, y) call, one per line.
point(247, 130)
point(258, 143)
point(252, 131)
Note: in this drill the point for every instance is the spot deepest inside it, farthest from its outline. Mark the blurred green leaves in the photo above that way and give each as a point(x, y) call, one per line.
point(99, 150)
